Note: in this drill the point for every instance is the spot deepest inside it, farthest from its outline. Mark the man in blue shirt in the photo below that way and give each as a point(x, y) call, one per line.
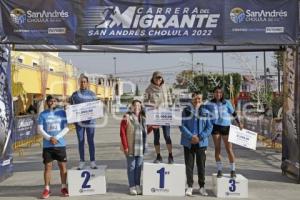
point(84, 95)
point(195, 130)
point(52, 124)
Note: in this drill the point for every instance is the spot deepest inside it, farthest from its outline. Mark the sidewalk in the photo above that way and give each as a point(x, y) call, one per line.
point(261, 167)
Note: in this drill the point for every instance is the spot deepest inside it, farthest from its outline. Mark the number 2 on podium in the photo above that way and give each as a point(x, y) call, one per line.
point(161, 173)
point(87, 176)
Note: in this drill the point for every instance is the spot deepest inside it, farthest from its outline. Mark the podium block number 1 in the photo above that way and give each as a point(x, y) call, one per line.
point(162, 174)
point(87, 176)
point(232, 187)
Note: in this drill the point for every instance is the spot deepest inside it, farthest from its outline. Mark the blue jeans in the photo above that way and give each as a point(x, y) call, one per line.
point(166, 132)
point(134, 170)
point(90, 131)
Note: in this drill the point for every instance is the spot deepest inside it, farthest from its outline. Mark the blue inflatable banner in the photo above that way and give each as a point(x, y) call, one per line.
point(169, 22)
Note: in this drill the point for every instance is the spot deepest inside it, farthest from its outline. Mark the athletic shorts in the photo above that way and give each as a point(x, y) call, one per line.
point(54, 153)
point(222, 130)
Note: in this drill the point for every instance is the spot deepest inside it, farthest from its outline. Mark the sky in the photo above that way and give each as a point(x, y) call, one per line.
point(138, 67)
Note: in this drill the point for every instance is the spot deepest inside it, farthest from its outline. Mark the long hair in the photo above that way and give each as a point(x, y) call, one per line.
point(222, 98)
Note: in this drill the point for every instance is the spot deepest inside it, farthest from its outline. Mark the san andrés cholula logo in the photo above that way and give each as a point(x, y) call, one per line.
point(238, 15)
point(19, 16)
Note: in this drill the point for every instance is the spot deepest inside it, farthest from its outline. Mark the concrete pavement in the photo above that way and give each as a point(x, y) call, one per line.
point(261, 167)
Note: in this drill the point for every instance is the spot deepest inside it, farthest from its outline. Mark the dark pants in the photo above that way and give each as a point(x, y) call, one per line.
point(166, 132)
point(189, 158)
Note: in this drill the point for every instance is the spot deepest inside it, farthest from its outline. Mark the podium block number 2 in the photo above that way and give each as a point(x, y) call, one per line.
point(162, 174)
point(232, 186)
point(86, 175)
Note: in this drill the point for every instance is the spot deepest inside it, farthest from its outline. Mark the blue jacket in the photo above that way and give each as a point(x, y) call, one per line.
point(221, 112)
point(189, 120)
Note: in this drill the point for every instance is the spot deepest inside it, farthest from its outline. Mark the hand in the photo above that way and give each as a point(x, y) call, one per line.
point(155, 126)
point(53, 140)
point(195, 139)
point(241, 126)
point(126, 152)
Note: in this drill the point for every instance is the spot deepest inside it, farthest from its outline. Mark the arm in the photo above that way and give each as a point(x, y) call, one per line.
point(208, 126)
point(123, 128)
point(233, 113)
point(183, 128)
point(43, 132)
point(62, 133)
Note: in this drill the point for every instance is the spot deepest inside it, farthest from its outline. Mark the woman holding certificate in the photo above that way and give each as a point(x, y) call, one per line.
point(81, 96)
point(133, 143)
point(222, 111)
point(158, 96)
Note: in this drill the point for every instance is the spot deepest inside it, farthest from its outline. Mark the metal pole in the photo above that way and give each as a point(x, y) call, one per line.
point(265, 73)
point(256, 57)
point(278, 75)
point(115, 65)
point(192, 65)
point(223, 71)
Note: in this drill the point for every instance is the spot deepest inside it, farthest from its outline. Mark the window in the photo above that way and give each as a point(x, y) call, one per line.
point(34, 64)
point(20, 60)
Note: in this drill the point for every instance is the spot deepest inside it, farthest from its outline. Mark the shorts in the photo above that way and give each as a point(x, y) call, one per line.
point(54, 153)
point(222, 130)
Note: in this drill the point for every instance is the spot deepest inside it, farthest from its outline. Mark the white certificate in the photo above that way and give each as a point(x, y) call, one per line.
point(243, 137)
point(163, 116)
point(84, 111)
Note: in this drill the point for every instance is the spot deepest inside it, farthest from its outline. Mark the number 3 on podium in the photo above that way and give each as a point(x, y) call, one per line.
point(232, 186)
point(87, 176)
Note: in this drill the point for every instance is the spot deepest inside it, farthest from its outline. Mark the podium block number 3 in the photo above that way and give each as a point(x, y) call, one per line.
point(162, 174)
point(232, 186)
point(86, 175)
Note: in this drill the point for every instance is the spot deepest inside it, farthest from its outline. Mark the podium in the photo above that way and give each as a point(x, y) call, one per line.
point(227, 187)
point(164, 179)
point(87, 181)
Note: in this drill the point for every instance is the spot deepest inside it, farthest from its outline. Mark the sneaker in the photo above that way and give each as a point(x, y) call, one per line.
point(46, 193)
point(138, 189)
point(189, 191)
point(203, 192)
point(158, 159)
point(219, 174)
point(232, 174)
point(170, 160)
point(64, 192)
point(81, 165)
point(132, 191)
point(93, 165)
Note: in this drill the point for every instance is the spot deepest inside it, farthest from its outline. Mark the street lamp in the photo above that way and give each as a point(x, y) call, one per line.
point(115, 65)
point(256, 57)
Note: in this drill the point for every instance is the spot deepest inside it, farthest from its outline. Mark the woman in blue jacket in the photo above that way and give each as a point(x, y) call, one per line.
point(195, 130)
point(223, 112)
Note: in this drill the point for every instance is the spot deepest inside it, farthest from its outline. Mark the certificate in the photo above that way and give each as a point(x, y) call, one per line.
point(84, 111)
point(243, 137)
point(164, 116)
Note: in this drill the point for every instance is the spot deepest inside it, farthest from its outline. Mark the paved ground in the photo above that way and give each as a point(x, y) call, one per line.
point(261, 167)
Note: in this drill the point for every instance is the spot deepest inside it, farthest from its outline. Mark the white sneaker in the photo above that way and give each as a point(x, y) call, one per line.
point(132, 191)
point(81, 165)
point(203, 192)
point(189, 191)
point(93, 165)
point(138, 189)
